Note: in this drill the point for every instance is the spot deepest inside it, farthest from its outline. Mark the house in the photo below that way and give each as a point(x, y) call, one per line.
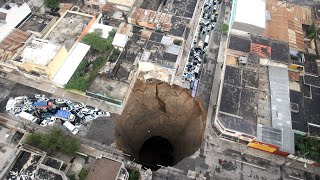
point(108, 169)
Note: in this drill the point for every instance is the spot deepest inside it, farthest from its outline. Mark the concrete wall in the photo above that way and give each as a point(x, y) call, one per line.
point(57, 61)
point(247, 28)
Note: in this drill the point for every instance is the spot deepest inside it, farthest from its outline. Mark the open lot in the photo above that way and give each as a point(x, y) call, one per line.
point(102, 130)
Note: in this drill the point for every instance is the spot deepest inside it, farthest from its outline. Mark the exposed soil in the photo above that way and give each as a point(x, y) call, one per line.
point(156, 109)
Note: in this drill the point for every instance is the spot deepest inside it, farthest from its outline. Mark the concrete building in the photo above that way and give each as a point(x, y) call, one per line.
point(108, 169)
point(254, 99)
point(10, 46)
point(11, 15)
point(56, 56)
point(159, 59)
point(40, 57)
point(287, 22)
point(248, 16)
point(150, 19)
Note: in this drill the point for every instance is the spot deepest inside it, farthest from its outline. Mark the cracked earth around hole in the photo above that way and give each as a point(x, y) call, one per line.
point(158, 109)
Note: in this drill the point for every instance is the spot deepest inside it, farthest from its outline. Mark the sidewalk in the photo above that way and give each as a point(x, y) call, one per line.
point(60, 92)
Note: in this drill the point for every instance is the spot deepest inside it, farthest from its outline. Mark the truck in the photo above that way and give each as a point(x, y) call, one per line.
point(27, 116)
point(70, 127)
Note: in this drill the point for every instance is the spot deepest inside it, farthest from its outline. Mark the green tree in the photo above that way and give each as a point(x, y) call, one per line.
point(311, 31)
point(177, 42)
point(70, 146)
point(95, 40)
point(52, 4)
point(134, 175)
point(224, 28)
point(54, 141)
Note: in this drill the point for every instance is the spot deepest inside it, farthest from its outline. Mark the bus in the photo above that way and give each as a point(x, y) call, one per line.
point(70, 127)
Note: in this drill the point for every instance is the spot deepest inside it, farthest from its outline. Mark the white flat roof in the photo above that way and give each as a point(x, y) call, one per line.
point(105, 29)
point(120, 40)
point(14, 16)
point(70, 64)
point(40, 52)
point(251, 12)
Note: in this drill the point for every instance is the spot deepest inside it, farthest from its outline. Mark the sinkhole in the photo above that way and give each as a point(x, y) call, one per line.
point(160, 125)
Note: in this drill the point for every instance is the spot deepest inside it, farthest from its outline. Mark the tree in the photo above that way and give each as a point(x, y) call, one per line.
point(311, 32)
point(83, 174)
point(52, 4)
point(70, 146)
point(224, 28)
point(134, 175)
point(95, 40)
point(54, 141)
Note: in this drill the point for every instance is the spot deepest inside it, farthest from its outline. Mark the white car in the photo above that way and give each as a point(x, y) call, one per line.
point(60, 101)
point(79, 106)
point(87, 111)
point(102, 113)
point(90, 117)
point(66, 108)
point(45, 122)
point(39, 96)
point(52, 121)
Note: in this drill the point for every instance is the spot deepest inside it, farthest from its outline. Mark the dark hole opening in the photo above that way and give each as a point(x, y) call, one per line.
point(156, 151)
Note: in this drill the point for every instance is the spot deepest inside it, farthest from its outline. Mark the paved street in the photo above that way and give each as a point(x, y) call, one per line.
point(210, 64)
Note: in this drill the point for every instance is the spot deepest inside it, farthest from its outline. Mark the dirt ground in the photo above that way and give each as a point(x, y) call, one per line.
point(158, 109)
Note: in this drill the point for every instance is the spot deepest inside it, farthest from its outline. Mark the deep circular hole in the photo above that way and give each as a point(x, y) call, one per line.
point(160, 125)
point(156, 151)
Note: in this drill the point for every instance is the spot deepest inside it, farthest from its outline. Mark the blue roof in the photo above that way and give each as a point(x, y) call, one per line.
point(63, 114)
point(40, 104)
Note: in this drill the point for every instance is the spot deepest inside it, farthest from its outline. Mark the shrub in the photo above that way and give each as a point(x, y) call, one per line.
point(224, 28)
point(83, 174)
point(177, 42)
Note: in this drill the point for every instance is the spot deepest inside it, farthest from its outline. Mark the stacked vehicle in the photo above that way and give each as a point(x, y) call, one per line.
point(45, 111)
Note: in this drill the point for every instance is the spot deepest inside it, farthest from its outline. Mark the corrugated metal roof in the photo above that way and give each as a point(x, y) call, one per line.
point(280, 105)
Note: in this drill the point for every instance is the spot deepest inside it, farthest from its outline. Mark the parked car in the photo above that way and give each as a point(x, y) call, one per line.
point(37, 96)
point(87, 111)
point(52, 120)
point(78, 123)
point(46, 115)
point(79, 106)
point(92, 108)
point(70, 104)
point(45, 122)
point(65, 108)
point(102, 113)
point(59, 101)
point(90, 117)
